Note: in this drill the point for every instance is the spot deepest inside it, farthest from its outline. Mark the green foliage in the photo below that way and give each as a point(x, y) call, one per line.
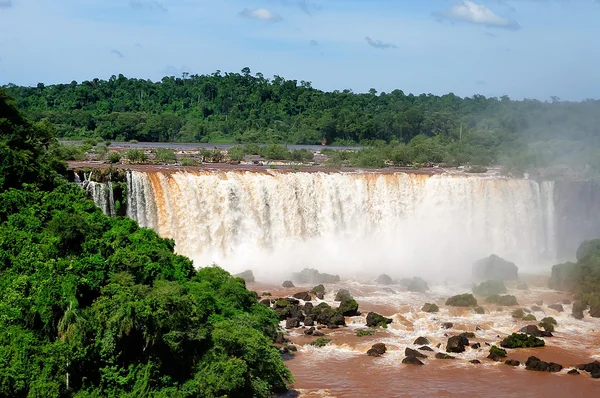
point(462, 300)
point(189, 162)
point(164, 155)
point(348, 307)
point(494, 350)
point(135, 155)
point(114, 157)
point(365, 332)
point(489, 288)
point(68, 152)
point(108, 305)
point(521, 340)
point(320, 342)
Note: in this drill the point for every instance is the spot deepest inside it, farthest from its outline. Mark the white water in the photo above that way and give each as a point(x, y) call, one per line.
point(347, 223)
point(100, 193)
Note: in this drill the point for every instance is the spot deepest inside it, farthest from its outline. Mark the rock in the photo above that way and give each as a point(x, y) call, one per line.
point(441, 355)
point(388, 290)
point(312, 276)
point(512, 362)
point(287, 284)
point(319, 291)
point(573, 372)
point(422, 341)
point(266, 302)
point(578, 308)
point(377, 350)
point(478, 328)
point(309, 321)
point(536, 308)
point(247, 276)
point(476, 346)
point(309, 331)
point(530, 329)
point(496, 354)
point(429, 307)
point(330, 316)
point(295, 311)
point(412, 361)
point(348, 307)
point(522, 286)
point(462, 300)
point(416, 284)
point(447, 325)
point(438, 345)
point(332, 326)
point(489, 288)
point(308, 307)
point(564, 277)
point(280, 338)
point(534, 363)
point(304, 296)
point(556, 307)
point(384, 279)
point(594, 312)
point(566, 301)
point(475, 361)
point(518, 340)
point(376, 320)
point(468, 335)
point(425, 348)
point(507, 300)
point(478, 310)
point(342, 295)
point(456, 344)
point(316, 333)
point(409, 352)
point(540, 302)
point(495, 268)
point(291, 323)
point(267, 294)
point(592, 367)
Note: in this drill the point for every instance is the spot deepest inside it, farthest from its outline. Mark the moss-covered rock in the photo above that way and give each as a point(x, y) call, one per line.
point(478, 310)
point(529, 317)
point(495, 268)
point(462, 300)
point(521, 340)
point(496, 354)
point(319, 291)
point(320, 342)
point(343, 294)
point(518, 313)
point(384, 279)
point(376, 320)
point(430, 307)
point(507, 300)
point(312, 276)
point(489, 288)
point(348, 307)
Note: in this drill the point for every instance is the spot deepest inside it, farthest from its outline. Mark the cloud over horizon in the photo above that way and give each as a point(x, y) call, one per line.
point(261, 14)
point(478, 14)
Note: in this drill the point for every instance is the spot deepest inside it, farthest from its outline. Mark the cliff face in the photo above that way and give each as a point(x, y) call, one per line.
point(577, 210)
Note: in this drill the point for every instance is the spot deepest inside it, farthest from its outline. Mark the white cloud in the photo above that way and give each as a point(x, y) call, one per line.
point(468, 11)
point(261, 13)
point(379, 44)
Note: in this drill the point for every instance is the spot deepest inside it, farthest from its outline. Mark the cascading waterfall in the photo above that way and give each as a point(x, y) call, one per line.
point(100, 193)
point(346, 223)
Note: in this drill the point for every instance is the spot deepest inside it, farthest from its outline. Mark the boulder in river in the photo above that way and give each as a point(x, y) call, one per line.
point(495, 268)
point(343, 294)
point(348, 307)
point(447, 325)
point(412, 361)
point(441, 355)
point(287, 284)
point(247, 276)
point(521, 340)
point(384, 279)
point(489, 288)
point(309, 321)
point(376, 320)
point(422, 341)
point(462, 300)
point(512, 362)
point(319, 291)
point(578, 308)
point(426, 348)
point(377, 350)
point(522, 286)
point(304, 296)
point(409, 352)
point(291, 323)
point(534, 331)
point(573, 372)
point(564, 277)
point(556, 307)
point(457, 344)
point(592, 368)
point(312, 276)
point(534, 363)
point(496, 354)
point(416, 284)
point(475, 361)
point(430, 307)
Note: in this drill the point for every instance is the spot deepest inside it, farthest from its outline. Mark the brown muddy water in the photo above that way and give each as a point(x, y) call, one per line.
point(342, 368)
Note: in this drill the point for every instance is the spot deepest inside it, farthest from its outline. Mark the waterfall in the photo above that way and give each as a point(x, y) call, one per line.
point(100, 193)
point(346, 223)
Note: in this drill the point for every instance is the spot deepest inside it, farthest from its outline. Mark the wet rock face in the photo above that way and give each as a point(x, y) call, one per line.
point(457, 344)
point(422, 341)
point(247, 276)
point(377, 350)
point(304, 296)
point(409, 352)
point(495, 268)
point(577, 311)
point(287, 284)
point(512, 362)
point(536, 364)
point(556, 307)
point(312, 276)
point(376, 320)
point(412, 361)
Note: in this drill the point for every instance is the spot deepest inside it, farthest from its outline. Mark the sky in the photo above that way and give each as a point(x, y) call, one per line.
point(520, 48)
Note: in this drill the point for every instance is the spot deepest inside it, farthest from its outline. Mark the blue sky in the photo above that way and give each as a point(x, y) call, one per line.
point(519, 48)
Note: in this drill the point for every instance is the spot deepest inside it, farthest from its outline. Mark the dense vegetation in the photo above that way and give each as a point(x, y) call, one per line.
point(94, 306)
point(582, 277)
point(240, 107)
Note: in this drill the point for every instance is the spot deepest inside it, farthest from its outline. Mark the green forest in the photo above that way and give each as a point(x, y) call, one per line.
point(245, 108)
point(92, 306)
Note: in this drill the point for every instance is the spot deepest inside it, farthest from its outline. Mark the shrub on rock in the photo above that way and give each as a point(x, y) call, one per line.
point(429, 307)
point(376, 320)
point(343, 294)
point(348, 307)
point(320, 342)
point(521, 340)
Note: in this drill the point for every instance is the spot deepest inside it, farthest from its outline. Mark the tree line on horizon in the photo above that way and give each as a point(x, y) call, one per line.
point(245, 108)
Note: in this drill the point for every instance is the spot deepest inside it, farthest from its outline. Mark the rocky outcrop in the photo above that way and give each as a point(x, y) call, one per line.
point(441, 355)
point(534, 331)
point(377, 350)
point(429, 307)
point(247, 276)
point(462, 300)
point(521, 340)
point(578, 308)
point(416, 284)
point(496, 354)
point(291, 323)
point(319, 291)
point(412, 361)
point(489, 288)
point(556, 307)
point(304, 296)
point(422, 341)
point(536, 364)
point(348, 307)
point(457, 344)
point(312, 276)
point(592, 368)
point(384, 279)
point(376, 320)
point(495, 268)
point(287, 284)
point(343, 294)
point(409, 352)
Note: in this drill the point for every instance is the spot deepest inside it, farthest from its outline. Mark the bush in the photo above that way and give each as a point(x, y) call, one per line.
point(90, 142)
point(236, 153)
point(164, 155)
point(114, 157)
point(365, 332)
point(462, 300)
point(186, 162)
point(275, 152)
point(135, 155)
point(68, 152)
point(320, 342)
point(497, 351)
point(521, 340)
